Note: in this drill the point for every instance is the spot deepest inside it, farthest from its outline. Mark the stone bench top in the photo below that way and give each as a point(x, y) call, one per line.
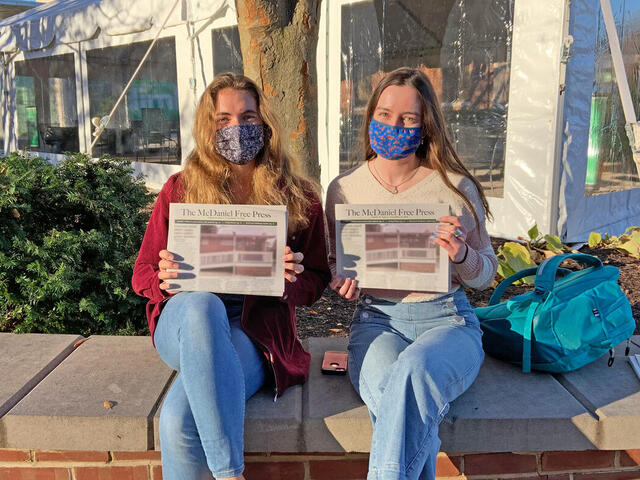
point(59, 392)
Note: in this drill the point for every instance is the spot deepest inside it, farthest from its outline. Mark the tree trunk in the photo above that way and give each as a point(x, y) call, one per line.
point(278, 39)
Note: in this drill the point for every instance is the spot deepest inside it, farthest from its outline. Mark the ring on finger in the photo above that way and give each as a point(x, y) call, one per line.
point(458, 233)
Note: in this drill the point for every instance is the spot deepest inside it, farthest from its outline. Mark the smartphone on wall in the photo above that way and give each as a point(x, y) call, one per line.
point(334, 363)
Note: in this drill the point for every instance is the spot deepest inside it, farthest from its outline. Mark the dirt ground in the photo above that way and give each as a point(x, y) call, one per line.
point(331, 315)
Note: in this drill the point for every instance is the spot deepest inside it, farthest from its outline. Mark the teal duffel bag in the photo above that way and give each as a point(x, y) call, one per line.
point(564, 323)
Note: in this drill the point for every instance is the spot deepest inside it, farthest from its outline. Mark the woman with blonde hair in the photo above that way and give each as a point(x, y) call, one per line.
point(412, 353)
point(226, 347)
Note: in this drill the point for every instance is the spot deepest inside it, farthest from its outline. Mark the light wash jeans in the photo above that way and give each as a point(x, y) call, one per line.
point(408, 361)
point(202, 418)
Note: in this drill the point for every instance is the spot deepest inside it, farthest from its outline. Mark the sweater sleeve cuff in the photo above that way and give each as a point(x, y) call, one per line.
point(157, 292)
point(471, 267)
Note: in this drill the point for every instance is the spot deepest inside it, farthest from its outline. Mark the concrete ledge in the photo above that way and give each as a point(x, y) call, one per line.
point(67, 409)
point(28, 359)
point(505, 410)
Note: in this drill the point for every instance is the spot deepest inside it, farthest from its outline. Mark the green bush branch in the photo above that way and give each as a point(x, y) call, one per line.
point(69, 235)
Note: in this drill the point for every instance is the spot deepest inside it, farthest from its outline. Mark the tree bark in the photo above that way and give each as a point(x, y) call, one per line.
point(278, 40)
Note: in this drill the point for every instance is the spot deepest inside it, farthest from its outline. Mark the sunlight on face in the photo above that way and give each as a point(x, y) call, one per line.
point(400, 106)
point(236, 107)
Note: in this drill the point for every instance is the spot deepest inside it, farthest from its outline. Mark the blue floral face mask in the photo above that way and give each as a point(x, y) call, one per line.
point(393, 143)
point(240, 144)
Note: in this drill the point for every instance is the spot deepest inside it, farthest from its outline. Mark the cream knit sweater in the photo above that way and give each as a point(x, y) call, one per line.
point(358, 185)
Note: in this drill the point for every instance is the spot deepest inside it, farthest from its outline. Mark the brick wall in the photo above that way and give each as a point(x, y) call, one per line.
point(77, 465)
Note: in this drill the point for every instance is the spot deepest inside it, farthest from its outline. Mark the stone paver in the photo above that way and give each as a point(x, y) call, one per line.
point(613, 393)
point(506, 410)
point(67, 409)
point(25, 359)
point(274, 426)
point(335, 419)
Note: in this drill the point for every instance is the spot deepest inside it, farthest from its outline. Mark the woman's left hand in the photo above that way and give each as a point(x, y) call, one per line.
point(452, 236)
point(292, 265)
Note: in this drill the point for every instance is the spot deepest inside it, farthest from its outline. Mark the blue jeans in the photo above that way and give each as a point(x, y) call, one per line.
point(408, 361)
point(202, 418)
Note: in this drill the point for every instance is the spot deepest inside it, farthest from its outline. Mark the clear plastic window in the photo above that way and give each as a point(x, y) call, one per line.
point(146, 125)
point(610, 165)
point(227, 55)
point(47, 105)
point(464, 46)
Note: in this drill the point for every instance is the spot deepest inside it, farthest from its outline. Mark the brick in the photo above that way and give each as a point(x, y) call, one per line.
point(499, 463)
point(628, 458)
point(352, 469)
point(447, 466)
point(589, 459)
point(34, 474)
point(540, 477)
point(607, 476)
point(111, 473)
point(156, 472)
point(7, 455)
point(70, 456)
point(148, 455)
point(274, 471)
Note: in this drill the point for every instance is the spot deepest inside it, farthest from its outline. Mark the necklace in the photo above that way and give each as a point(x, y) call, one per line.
point(388, 186)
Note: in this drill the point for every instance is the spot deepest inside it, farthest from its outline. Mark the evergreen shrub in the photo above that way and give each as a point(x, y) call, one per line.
point(69, 235)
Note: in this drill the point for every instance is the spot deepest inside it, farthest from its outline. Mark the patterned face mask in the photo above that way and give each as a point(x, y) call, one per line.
point(393, 143)
point(240, 144)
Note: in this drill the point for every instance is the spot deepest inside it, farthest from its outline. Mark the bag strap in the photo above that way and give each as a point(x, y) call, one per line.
point(506, 283)
point(546, 276)
point(527, 272)
point(527, 333)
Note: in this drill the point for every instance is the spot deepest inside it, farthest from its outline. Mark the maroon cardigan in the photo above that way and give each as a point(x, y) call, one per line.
point(269, 321)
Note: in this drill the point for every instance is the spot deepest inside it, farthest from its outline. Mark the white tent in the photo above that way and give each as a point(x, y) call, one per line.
point(527, 88)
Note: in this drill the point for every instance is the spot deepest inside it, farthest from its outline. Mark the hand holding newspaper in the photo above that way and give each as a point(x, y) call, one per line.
point(228, 248)
point(392, 246)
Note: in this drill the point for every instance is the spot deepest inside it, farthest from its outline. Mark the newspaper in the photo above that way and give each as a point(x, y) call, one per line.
point(392, 246)
point(228, 248)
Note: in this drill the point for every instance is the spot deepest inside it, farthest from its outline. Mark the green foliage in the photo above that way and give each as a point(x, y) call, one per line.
point(594, 239)
point(69, 235)
point(628, 242)
point(513, 256)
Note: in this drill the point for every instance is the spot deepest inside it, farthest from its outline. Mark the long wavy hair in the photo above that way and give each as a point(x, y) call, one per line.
point(278, 178)
point(436, 151)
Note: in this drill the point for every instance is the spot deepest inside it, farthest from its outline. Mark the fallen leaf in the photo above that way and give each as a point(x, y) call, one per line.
point(108, 405)
point(313, 312)
point(79, 342)
point(336, 330)
point(15, 213)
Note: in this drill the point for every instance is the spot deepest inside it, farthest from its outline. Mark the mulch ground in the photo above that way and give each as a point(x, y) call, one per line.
point(331, 315)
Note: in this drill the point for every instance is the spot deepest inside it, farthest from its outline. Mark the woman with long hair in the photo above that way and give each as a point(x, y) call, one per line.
point(412, 353)
point(226, 347)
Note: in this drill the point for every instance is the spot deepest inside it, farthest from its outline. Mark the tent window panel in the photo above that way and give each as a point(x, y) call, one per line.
point(227, 55)
point(146, 125)
point(464, 47)
point(47, 105)
point(610, 165)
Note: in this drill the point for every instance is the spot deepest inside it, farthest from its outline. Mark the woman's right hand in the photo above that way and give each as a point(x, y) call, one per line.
point(166, 262)
point(345, 287)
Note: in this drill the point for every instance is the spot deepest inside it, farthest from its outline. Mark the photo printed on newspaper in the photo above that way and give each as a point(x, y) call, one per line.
point(392, 246)
point(228, 248)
